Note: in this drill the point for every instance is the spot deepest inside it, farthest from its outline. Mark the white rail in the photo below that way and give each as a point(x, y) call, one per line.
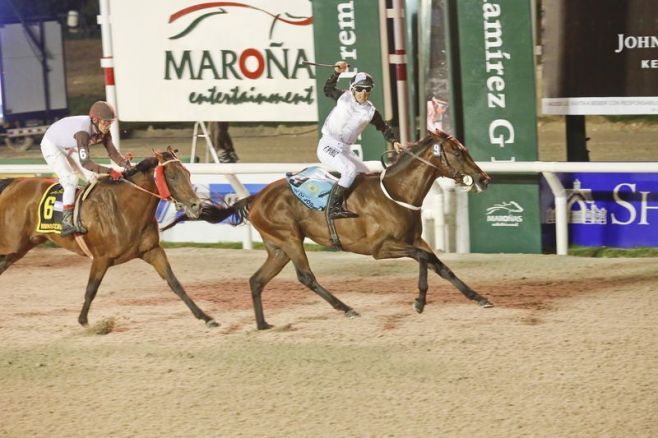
point(548, 169)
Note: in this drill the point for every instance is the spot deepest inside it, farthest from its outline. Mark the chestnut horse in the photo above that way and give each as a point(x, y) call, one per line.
point(119, 216)
point(388, 226)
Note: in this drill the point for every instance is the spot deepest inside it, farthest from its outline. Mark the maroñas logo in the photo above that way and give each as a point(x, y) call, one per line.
point(232, 64)
point(292, 20)
point(505, 214)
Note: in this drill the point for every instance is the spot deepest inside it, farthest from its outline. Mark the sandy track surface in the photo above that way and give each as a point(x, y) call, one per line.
point(570, 350)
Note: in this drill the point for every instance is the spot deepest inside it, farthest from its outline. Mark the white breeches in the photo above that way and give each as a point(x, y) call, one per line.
point(338, 156)
point(67, 168)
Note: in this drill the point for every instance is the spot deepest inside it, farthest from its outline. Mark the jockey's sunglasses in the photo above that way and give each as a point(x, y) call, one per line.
point(360, 88)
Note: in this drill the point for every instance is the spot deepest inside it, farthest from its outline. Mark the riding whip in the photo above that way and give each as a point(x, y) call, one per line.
point(319, 64)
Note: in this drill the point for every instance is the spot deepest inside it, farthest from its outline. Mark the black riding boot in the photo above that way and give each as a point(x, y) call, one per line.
point(335, 204)
point(67, 225)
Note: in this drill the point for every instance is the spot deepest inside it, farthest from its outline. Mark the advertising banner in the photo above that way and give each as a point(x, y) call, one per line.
point(179, 60)
point(617, 210)
point(498, 97)
point(349, 31)
point(600, 57)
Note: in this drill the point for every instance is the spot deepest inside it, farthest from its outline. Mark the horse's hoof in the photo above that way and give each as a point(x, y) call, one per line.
point(83, 323)
point(265, 326)
point(352, 313)
point(485, 303)
point(211, 323)
point(419, 307)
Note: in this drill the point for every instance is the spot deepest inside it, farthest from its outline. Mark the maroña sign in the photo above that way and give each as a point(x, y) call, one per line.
point(349, 31)
point(498, 97)
point(600, 57)
point(611, 209)
point(181, 60)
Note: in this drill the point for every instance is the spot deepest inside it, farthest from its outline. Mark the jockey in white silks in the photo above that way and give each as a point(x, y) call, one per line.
point(65, 146)
point(351, 115)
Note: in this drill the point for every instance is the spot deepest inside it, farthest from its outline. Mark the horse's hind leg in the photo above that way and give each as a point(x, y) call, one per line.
point(307, 278)
point(158, 259)
point(6, 260)
point(276, 260)
point(99, 267)
point(4, 263)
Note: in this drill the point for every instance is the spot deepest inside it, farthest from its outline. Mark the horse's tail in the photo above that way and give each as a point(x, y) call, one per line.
point(214, 213)
point(4, 183)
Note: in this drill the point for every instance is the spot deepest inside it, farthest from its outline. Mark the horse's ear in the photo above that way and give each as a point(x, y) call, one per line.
point(172, 151)
point(158, 155)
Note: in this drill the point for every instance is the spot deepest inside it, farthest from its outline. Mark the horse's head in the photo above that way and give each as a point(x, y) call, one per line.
point(173, 181)
point(453, 160)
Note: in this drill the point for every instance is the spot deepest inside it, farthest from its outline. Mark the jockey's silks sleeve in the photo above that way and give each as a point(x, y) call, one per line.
point(82, 138)
point(381, 125)
point(330, 89)
point(112, 151)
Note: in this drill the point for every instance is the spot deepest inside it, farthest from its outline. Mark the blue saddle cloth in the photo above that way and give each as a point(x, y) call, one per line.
point(312, 186)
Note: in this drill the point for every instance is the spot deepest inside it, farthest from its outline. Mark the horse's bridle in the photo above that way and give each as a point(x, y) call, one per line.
point(457, 175)
point(161, 184)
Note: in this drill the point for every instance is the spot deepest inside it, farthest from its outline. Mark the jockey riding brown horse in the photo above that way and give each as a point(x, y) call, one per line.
point(119, 216)
point(388, 224)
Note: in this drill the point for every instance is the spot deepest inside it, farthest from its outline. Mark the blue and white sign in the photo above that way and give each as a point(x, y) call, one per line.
point(610, 209)
point(217, 188)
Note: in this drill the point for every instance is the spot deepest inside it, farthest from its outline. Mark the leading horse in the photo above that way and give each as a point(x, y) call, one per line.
point(388, 224)
point(119, 216)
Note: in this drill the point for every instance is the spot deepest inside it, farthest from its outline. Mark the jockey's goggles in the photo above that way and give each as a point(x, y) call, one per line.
point(360, 88)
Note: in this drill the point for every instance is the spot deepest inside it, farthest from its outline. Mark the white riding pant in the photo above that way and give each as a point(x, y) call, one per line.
point(67, 168)
point(338, 156)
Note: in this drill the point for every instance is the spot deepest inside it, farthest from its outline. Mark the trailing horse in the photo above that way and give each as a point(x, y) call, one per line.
point(119, 216)
point(388, 223)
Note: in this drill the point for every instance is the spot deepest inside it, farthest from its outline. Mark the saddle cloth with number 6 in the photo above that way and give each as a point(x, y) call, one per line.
point(50, 210)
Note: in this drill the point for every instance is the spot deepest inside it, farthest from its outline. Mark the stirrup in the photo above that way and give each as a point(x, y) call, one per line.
point(342, 214)
point(68, 230)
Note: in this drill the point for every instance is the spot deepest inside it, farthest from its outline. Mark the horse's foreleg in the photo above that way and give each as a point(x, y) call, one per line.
point(307, 278)
point(158, 259)
point(424, 255)
point(440, 268)
point(98, 269)
point(276, 260)
point(419, 305)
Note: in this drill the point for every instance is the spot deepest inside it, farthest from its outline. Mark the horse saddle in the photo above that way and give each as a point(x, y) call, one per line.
point(51, 208)
point(312, 186)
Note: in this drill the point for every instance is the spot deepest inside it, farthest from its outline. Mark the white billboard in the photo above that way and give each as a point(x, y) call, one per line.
point(179, 60)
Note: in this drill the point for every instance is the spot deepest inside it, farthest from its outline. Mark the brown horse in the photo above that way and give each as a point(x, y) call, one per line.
point(119, 216)
point(388, 226)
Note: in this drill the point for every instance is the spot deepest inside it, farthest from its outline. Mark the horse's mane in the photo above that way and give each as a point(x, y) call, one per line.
point(417, 147)
point(147, 164)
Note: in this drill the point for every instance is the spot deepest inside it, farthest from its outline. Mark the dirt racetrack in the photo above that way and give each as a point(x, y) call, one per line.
point(570, 350)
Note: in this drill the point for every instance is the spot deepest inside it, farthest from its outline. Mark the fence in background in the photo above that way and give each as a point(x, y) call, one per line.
point(445, 210)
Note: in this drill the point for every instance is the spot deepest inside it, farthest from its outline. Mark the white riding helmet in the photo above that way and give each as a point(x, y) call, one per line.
point(362, 79)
